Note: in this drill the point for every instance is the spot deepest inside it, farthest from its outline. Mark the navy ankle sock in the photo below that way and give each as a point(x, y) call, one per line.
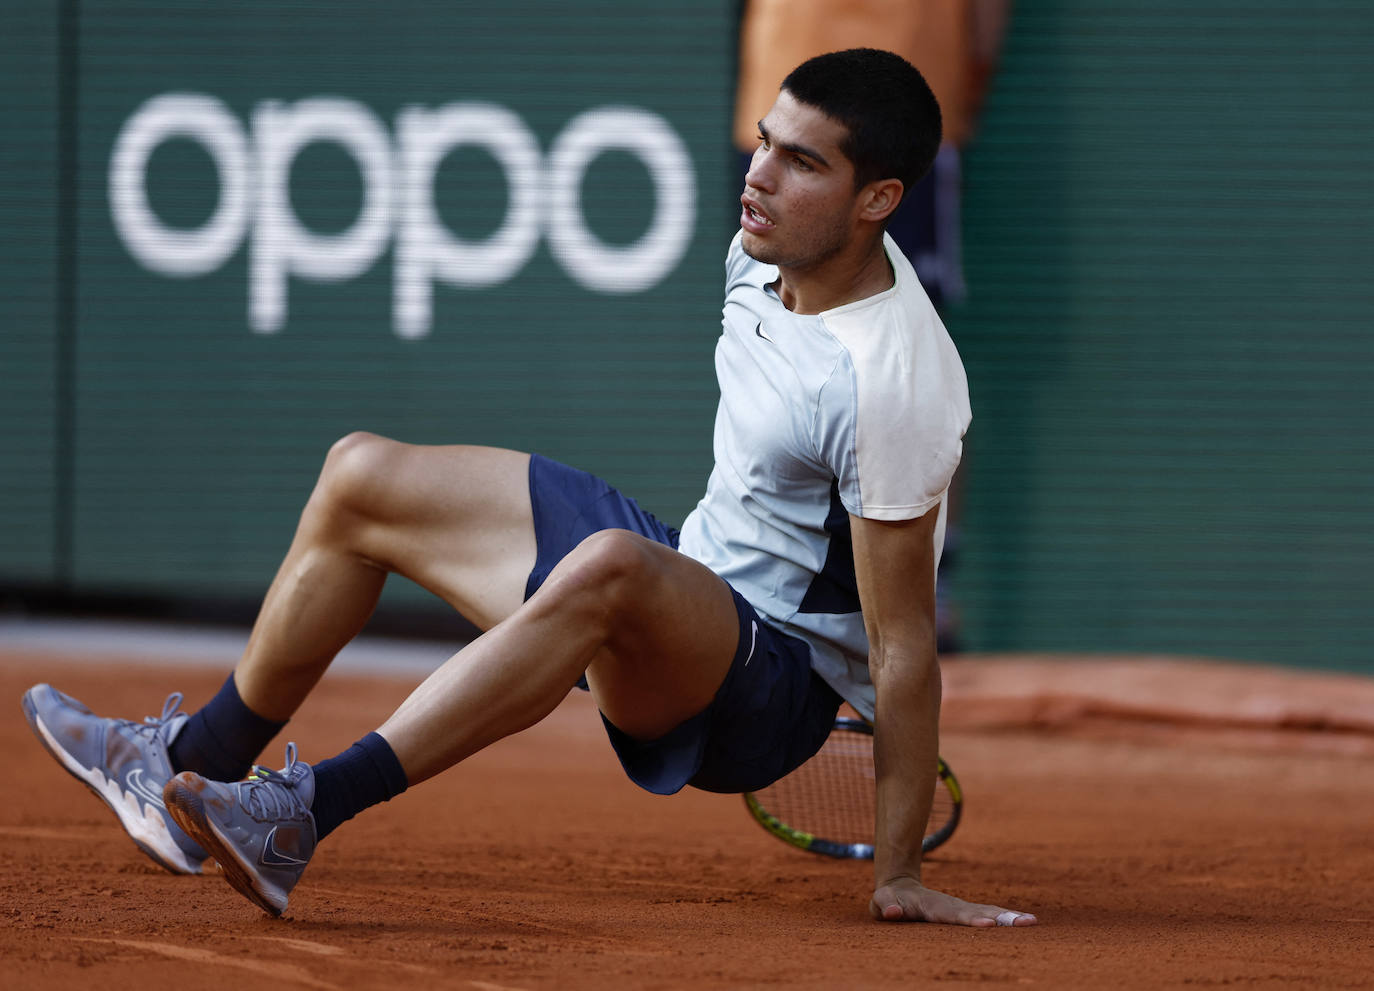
point(222, 740)
point(364, 775)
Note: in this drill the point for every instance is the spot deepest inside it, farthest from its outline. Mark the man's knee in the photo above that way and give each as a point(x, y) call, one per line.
point(610, 571)
point(354, 469)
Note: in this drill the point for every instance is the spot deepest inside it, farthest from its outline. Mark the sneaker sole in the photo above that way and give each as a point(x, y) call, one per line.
point(149, 832)
point(188, 811)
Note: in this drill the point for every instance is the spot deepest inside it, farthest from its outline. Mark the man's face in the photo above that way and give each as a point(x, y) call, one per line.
point(799, 203)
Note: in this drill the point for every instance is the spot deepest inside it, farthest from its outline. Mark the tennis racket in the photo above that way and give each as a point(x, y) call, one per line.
point(827, 805)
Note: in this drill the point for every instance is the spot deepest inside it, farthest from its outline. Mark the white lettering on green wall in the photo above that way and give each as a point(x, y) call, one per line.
point(543, 199)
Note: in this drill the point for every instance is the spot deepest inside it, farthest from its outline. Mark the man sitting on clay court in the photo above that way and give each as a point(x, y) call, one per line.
point(717, 656)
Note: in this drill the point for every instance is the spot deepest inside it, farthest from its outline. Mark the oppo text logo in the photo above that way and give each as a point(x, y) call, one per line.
point(254, 168)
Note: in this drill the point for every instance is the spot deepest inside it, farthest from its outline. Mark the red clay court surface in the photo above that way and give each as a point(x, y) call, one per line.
point(1173, 825)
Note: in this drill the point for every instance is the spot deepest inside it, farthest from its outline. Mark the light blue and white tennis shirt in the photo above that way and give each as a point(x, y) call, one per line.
point(860, 409)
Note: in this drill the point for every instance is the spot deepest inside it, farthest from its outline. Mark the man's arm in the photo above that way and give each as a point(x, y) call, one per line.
point(895, 566)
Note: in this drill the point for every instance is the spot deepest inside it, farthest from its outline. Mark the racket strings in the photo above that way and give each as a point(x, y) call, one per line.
point(832, 796)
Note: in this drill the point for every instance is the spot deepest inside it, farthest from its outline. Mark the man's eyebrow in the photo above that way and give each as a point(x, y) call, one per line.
point(795, 149)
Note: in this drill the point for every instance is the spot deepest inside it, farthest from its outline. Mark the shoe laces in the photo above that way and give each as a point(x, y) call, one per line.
point(272, 795)
point(154, 725)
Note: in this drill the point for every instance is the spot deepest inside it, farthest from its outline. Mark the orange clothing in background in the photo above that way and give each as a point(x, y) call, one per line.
point(948, 40)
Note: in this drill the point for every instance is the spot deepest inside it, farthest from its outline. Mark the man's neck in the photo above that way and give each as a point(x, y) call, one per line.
point(837, 281)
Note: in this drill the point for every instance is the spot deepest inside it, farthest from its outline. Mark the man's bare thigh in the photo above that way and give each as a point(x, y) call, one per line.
point(454, 519)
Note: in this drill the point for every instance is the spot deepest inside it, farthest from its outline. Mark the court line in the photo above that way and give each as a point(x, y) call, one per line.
point(180, 645)
point(272, 969)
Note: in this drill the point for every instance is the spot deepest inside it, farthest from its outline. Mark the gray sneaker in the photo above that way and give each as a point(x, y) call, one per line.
point(260, 830)
point(124, 763)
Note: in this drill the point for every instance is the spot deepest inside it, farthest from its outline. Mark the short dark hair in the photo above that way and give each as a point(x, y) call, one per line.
point(884, 103)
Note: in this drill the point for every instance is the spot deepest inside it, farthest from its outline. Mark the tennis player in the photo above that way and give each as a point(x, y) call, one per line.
point(718, 656)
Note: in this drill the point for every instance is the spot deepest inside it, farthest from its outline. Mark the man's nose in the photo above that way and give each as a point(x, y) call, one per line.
point(760, 174)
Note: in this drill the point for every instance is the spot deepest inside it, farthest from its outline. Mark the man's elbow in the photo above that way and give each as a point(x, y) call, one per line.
point(905, 666)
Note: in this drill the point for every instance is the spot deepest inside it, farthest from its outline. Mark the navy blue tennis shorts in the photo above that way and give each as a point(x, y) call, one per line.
point(771, 712)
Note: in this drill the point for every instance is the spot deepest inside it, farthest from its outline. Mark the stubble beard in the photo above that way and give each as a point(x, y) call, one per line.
point(815, 248)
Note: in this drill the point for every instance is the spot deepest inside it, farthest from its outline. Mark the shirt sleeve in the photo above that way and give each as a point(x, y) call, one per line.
point(893, 416)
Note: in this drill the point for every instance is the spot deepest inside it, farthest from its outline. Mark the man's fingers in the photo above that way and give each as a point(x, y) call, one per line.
point(890, 905)
point(970, 914)
point(885, 907)
point(991, 915)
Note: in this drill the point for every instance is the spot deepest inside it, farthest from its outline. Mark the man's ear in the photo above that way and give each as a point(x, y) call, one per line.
point(879, 199)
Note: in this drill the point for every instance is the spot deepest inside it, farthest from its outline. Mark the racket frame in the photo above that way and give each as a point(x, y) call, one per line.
point(858, 851)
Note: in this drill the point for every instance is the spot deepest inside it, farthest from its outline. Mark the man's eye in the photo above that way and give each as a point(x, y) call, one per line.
point(802, 164)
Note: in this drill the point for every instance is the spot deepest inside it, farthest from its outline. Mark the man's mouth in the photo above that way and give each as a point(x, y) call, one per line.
point(754, 219)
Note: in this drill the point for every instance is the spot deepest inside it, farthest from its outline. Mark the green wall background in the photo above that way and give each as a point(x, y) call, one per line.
point(1169, 249)
point(1167, 242)
point(29, 342)
point(190, 442)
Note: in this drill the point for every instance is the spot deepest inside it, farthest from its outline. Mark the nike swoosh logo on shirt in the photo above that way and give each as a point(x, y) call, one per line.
point(759, 330)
